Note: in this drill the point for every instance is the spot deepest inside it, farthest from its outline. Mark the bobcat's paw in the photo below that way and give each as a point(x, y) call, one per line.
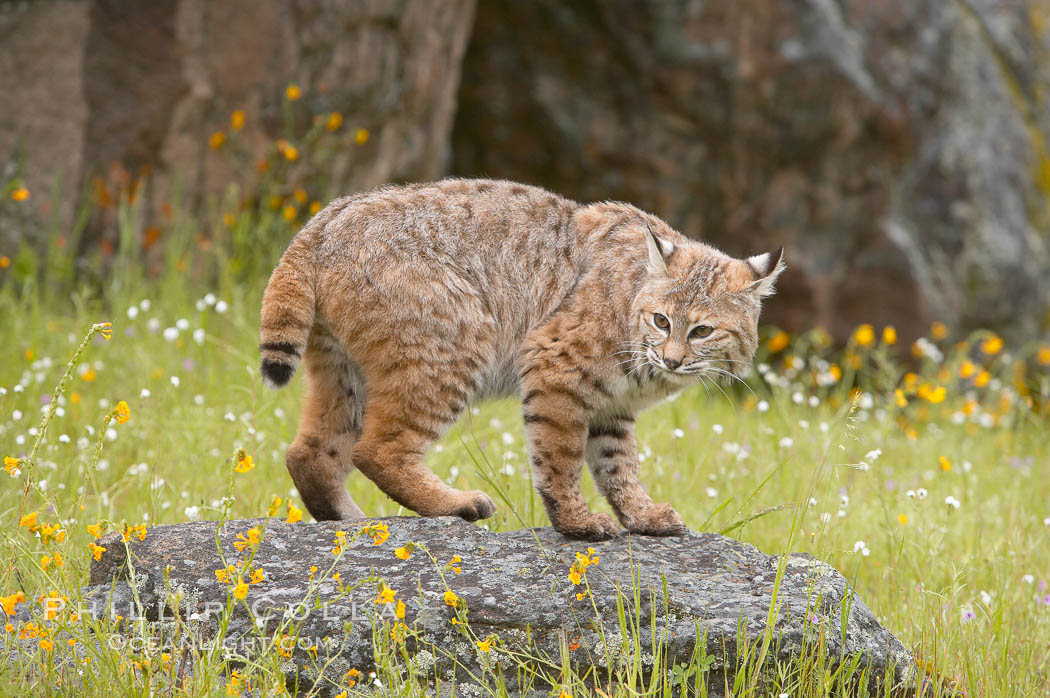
point(656, 520)
point(476, 505)
point(590, 527)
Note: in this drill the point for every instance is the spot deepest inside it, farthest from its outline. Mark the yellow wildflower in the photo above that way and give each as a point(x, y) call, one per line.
point(122, 413)
point(29, 521)
point(49, 531)
point(274, 507)
point(294, 514)
point(967, 369)
point(377, 531)
point(335, 120)
point(315, 206)
point(339, 542)
point(889, 335)
point(300, 195)
point(289, 212)
point(244, 462)
point(216, 140)
point(11, 464)
point(361, 136)
point(946, 464)
point(20, 194)
point(46, 645)
point(484, 645)
point(248, 538)
point(45, 562)
point(138, 531)
point(5, 262)
point(386, 595)
point(96, 550)
point(237, 120)
point(864, 335)
point(898, 396)
point(938, 330)
point(779, 342)
point(292, 92)
point(291, 153)
point(450, 598)
point(982, 378)
point(993, 345)
point(95, 529)
point(9, 602)
point(1043, 355)
point(88, 374)
point(932, 394)
point(403, 552)
point(240, 590)
point(399, 610)
point(835, 371)
point(258, 576)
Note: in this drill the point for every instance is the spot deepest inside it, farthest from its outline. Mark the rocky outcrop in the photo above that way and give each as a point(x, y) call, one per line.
point(512, 588)
point(897, 149)
point(97, 88)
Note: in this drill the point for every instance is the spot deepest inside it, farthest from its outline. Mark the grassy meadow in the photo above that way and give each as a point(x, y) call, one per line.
point(920, 471)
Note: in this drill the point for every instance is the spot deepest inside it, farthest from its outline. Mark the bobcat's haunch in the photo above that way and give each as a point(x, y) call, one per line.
point(407, 304)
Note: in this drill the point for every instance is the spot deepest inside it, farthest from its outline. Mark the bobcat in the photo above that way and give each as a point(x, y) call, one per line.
point(407, 304)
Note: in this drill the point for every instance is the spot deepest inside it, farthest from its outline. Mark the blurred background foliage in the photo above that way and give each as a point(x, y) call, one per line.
point(897, 150)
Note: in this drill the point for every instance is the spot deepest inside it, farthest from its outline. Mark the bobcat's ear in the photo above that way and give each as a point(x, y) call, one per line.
point(767, 268)
point(659, 252)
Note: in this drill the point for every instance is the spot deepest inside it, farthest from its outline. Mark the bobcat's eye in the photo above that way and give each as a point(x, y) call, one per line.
point(701, 331)
point(661, 321)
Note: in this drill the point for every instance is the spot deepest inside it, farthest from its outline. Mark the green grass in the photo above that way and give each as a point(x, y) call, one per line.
point(965, 588)
point(720, 460)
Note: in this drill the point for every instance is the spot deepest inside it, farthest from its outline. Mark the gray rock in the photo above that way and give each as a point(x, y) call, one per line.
point(514, 585)
point(897, 149)
point(111, 90)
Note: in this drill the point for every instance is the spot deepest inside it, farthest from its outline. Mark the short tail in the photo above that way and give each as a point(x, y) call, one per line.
point(287, 313)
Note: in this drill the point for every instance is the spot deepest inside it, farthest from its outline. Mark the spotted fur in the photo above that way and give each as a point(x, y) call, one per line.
point(407, 304)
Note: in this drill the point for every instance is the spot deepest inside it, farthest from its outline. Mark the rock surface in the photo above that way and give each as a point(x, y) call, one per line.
point(897, 149)
point(511, 584)
point(97, 88)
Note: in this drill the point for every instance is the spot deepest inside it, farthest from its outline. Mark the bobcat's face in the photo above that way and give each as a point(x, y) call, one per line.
point(697, 315)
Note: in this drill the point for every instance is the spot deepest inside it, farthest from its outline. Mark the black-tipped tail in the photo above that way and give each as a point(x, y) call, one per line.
point(276, 374)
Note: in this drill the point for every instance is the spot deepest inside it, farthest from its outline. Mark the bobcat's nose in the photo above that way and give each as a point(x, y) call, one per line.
point(672, 363)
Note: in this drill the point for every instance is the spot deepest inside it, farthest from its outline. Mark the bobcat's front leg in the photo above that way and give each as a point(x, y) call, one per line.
point(556, 412)
point(612, 455)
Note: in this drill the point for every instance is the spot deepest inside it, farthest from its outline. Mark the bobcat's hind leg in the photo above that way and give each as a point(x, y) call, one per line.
point(612, 455)
point(319, 460)
point(405, 414)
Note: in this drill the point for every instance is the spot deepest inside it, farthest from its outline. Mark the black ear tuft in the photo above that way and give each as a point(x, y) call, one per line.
point(767, 267)
point(660, 251)
point(765, 264)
